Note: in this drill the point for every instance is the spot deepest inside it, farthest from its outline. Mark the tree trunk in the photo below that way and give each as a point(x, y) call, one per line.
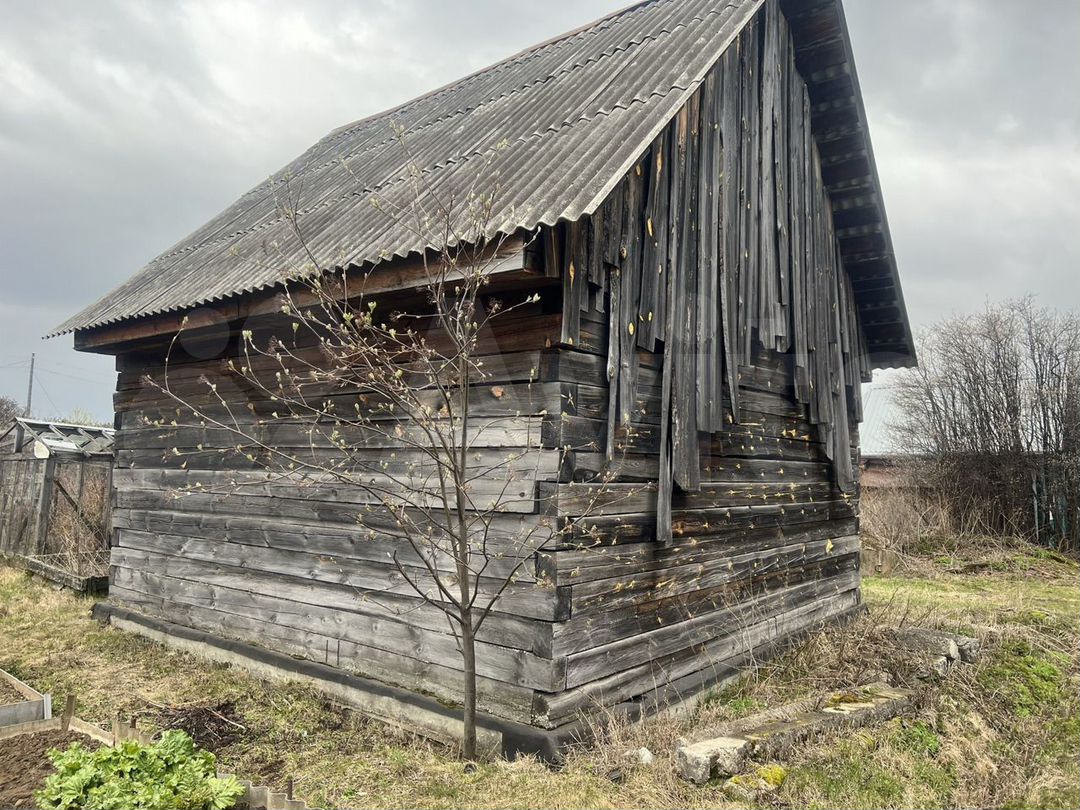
point(468, 653)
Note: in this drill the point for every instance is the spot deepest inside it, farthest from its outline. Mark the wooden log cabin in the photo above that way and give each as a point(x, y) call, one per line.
point(689, 189)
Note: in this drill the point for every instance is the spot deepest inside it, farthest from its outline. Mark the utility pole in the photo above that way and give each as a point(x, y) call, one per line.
point(30, 386)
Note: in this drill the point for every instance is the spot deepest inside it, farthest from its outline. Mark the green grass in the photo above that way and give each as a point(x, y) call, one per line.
point(1029, 681)
point(1001, 733)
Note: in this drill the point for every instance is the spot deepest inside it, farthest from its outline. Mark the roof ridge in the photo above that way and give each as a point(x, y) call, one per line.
point(505, 94)
point(505, 62)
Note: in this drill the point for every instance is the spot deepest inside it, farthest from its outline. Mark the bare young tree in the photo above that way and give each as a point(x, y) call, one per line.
point(383, 389)
point(993, 411)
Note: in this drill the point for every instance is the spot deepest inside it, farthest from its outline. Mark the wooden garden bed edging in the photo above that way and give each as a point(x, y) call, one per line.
point(89, 585)
point(35, 707)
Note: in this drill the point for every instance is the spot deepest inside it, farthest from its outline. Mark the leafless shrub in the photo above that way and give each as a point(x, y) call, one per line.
point(993, 414)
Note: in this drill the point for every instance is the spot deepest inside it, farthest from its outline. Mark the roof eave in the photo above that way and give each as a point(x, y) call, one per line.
point(827, 64)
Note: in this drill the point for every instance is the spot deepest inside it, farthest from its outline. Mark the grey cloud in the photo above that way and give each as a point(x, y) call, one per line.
point(974, 113)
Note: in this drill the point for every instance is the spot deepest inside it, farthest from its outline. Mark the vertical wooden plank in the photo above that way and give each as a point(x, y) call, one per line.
point(574, 281)
point(629, 295)
point(796, 196)
point(781, 114)
point(596, 246)
point(685, 450)
point(43, 498)
point(613, 358)
point(808, 237)
point(582, 262)
point(672, 329)
point(107, 506)
point(649, 278)
point(646, 280)
point(751, 116)
point(552, 239)
point(663, 208)
point(705, 353)
point(612, 218)
point(766, 188)
point(731, 183)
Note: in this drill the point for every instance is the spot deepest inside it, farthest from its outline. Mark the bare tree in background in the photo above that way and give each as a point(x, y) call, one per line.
point(9, 409)
point(993, 411)
point(386, 398)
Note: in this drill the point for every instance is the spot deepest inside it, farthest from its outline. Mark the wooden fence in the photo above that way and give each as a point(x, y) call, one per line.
point(55, 516)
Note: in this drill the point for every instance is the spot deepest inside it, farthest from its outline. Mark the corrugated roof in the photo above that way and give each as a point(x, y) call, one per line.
point(63, 437)
point(548, 132)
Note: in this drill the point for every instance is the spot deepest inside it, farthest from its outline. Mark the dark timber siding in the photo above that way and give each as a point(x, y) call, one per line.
point(704, 344)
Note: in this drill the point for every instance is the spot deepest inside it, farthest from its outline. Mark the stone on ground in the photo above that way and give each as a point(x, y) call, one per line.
point(943, 649)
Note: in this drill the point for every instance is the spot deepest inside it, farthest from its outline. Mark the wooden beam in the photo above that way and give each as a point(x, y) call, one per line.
point(509, 263)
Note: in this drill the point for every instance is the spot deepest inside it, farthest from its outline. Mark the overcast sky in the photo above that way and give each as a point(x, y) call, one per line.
point(125, 125)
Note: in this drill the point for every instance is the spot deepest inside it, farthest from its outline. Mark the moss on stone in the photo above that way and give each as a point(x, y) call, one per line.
point(842, 698)
point(764, 779)
point(772, 774)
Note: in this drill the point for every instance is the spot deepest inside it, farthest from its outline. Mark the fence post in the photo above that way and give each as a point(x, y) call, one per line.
point(44, 505)
point(107, 508)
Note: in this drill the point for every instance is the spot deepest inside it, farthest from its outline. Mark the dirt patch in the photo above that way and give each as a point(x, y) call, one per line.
point(211, 727)
point(8, 694)
point(24, 764)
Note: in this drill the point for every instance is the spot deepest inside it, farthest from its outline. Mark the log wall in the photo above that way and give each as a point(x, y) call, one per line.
point(703, 347)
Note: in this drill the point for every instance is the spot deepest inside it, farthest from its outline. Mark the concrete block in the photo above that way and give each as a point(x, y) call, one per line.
point(721, 756)
point(931, 642)
point(772, 733)
point(970, 649)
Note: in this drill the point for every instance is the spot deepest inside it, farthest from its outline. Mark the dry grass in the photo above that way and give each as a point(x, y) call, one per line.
point(966, 746)
point(1006, 731)
point(76, 541)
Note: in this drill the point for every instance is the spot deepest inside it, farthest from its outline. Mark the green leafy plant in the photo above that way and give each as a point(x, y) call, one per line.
point(171, 774)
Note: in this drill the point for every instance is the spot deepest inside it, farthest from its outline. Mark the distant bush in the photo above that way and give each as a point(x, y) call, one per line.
point(171, 774)
point(9, 409)
point(991, 418)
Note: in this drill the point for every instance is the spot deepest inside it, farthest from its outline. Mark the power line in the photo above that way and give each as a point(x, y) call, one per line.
point(71, 366)
point(69, 376)
point(51, 402)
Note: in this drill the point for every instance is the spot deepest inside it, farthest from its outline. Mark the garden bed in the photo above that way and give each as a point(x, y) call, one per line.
point(24, 763)
point(8, 695)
